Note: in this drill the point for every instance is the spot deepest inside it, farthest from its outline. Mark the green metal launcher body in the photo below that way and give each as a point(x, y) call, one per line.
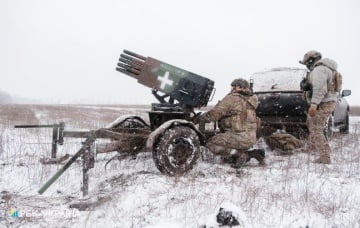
point(188, 89)
point(182, 91)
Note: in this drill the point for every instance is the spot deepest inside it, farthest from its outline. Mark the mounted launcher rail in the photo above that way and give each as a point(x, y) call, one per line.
point(189, 89)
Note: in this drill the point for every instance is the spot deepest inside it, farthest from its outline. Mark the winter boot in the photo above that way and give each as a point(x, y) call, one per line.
point(241, 158)
point(323, 160)
point(258, 154)
point(232, 157)
point(324, 157)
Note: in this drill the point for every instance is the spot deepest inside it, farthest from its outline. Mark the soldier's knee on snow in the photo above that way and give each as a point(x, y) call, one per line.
point(218, 149)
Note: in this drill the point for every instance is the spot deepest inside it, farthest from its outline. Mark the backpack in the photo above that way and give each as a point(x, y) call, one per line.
point(285, 142)
point(336, 81)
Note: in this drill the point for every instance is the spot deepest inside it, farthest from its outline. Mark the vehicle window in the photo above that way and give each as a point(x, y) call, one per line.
point(281, 79)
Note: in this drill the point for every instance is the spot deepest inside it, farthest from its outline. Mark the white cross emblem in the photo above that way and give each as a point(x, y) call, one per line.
point(165, 80)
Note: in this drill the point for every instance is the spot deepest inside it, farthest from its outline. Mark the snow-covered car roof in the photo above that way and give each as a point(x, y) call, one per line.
point(278, 79)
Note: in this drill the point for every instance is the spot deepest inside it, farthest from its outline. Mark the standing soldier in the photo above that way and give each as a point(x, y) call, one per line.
point(237, 124)
point(322, 101)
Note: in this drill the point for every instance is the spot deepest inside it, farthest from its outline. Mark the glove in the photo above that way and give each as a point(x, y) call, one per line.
point(196, 119)
point(305, 85)
point(312, 110)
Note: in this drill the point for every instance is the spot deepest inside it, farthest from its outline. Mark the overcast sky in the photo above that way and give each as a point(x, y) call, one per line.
point(66, 51)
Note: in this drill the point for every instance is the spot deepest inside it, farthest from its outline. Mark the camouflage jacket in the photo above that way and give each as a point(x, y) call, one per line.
point(320, 79)
point(235, 113)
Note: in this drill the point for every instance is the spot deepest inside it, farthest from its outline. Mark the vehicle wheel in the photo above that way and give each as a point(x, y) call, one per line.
point(345, 129)
point(177, 150)
point(329, 127)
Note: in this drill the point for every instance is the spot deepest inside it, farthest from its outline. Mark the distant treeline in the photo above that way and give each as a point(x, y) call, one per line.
point(355, 110)
point(5, 98)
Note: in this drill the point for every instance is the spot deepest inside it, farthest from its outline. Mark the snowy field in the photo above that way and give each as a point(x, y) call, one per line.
point(291, 191)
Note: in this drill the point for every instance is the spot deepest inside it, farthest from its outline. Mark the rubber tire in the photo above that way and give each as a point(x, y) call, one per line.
point(177, 150)
point(329, 128)
point(345, 130)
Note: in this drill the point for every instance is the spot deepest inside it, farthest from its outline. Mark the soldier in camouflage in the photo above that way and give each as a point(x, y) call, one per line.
point(322, 102)
point(237, 122)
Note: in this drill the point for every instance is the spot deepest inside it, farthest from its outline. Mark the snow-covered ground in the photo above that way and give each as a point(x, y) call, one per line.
point(291, 191)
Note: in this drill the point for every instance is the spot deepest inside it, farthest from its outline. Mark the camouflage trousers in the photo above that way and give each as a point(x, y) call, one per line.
point(223, 143)
point(316, 124)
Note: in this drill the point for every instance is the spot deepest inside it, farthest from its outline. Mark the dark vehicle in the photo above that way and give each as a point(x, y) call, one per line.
point(283, 107)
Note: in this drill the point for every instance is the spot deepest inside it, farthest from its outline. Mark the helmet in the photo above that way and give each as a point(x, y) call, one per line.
point(310, 58)
point(244, 84)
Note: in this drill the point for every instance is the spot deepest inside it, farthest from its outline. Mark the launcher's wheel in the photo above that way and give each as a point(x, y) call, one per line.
point(177, 150)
